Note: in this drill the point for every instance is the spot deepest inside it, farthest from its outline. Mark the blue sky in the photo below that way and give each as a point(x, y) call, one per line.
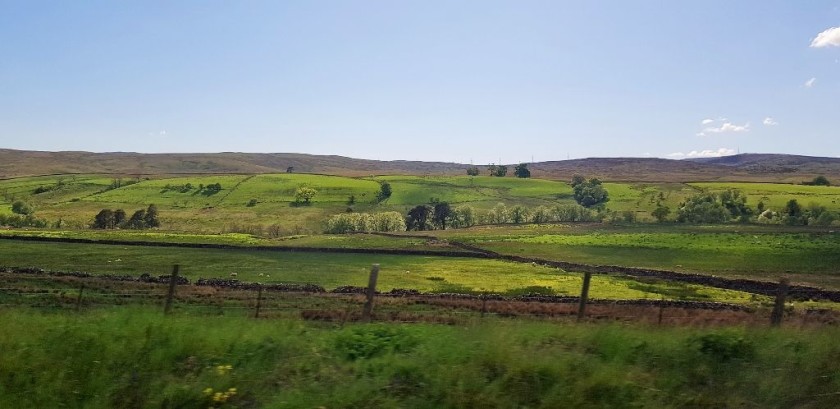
point(462, 81)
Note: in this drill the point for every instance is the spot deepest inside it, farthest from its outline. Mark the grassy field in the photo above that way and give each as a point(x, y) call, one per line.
point(807, 256)
point(134, 357)
point(76, 199)
point(424, 273)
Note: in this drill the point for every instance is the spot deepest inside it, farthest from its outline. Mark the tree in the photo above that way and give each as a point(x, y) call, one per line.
point(104, 219)
point(22, 208)
point(501, 171)
point(418, 218)
point(577, 179)
point(818, 181)
point(521, 171)
point(304, 193)
point(792, 213)
point(137, 220)
point(590, 193)
point(462, 216)
point(472, 171)
point(702, 208)
point(519, 214)
point(661, 213)
point(736, 203)
point(384, 191)
point(492, 169)
point(119, 217)
point(290, 169)
point(442, 213)
point(151, 217)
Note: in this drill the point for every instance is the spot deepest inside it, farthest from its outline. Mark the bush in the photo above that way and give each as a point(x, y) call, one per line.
point(22, 208)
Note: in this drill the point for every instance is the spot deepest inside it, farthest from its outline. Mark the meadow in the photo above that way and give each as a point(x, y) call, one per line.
point(331, 270)
point(806, 255)
point(253, 203)
point(135, 357)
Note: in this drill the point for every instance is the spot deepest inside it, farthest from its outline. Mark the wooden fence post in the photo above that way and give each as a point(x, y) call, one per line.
point(779, 307)
point(584, 295)
point(79, 298)
point(661, 310)
point(173, 279)
point(259, 301)
point(483, 304)
point(371, 291)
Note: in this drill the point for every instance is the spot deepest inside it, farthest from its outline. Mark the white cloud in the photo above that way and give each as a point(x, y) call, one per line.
point(725, 127)
point(828, 38)
point(810, 82)
point(707, 121)
point(706, 153)
point(769, 121)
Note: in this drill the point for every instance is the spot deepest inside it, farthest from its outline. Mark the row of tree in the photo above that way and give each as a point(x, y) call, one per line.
point(521, 170)
point(440, 215)
point(365, 223)
point(113, 219)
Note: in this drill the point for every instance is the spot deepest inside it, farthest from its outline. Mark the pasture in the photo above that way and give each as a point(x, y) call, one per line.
point(331, 270)
point(807, 256)
point(253, 203)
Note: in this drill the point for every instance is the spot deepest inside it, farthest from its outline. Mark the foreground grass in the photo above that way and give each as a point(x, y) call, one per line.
point(330, 270)
point(134, 357)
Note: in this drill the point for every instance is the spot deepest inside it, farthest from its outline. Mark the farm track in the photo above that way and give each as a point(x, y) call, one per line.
point(797, 292)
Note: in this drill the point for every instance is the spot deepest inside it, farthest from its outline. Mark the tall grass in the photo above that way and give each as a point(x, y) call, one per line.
point(133, 357)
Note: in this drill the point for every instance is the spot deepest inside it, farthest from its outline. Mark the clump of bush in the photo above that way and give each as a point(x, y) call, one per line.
point(365, 223)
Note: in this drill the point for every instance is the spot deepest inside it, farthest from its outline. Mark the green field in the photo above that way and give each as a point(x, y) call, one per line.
point(424, 273)
point(134, 357)
point(806, 256)
point(76, 199)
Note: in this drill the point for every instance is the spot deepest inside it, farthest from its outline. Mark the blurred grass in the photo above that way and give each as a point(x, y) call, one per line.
point(134, 357)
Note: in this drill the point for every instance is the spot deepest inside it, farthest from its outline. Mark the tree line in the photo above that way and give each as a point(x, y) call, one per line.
point(117, 219)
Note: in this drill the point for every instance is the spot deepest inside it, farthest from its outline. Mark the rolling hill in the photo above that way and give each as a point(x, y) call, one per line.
point(743, 167)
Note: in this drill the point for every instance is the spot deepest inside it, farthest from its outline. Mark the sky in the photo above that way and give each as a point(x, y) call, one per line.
point(458, 81)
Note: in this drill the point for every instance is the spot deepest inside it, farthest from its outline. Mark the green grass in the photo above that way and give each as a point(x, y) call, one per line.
point(757, 253)
point(134, 357)
point(80, 197)
point(355, 241)
point(424, 273)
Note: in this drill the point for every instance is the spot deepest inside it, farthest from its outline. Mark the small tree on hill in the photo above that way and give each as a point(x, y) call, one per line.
point(521, 171)
point(472, 171)
point(418, 218)
point(151, 216)
point(104, 219)
point(384, 191)
point(820, 181)
point(661, 213)
point(501, 171)
point(305, 193)
point(137, 220)
point(589, 193)
point(442, 213)
point(22, 208)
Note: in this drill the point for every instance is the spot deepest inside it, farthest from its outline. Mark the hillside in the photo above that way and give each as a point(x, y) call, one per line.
point(744, 167)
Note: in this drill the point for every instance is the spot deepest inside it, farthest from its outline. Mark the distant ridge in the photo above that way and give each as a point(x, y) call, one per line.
point(743, 167)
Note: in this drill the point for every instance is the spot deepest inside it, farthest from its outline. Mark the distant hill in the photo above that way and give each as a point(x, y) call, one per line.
point(744, 167)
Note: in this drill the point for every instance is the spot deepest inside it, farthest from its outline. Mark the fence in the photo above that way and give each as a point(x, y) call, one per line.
point(81, 291)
